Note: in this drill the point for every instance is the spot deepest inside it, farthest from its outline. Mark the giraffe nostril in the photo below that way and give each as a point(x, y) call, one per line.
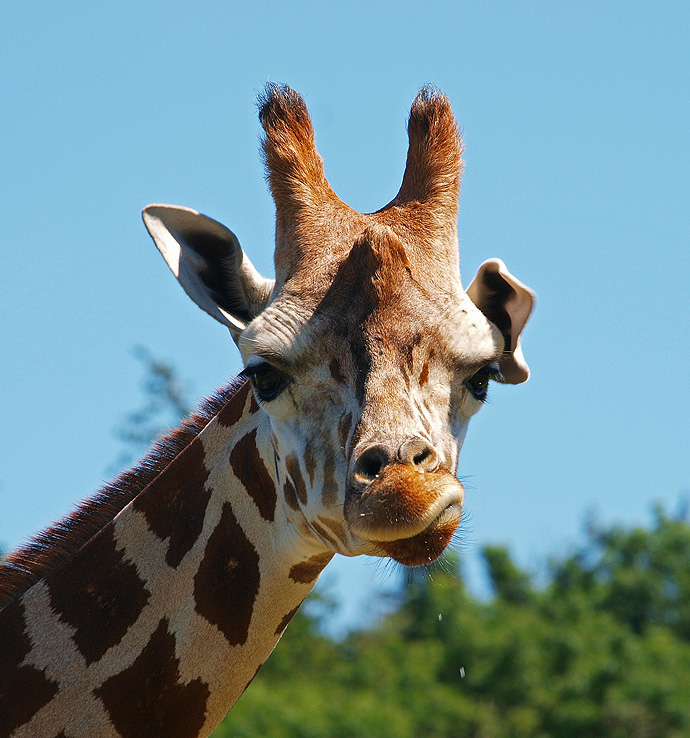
point(371, 463)
point(415, 452)
point(419, 453)
point(420, 457)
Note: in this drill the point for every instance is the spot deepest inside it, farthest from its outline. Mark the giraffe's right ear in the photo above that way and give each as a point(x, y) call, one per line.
point(209, 263)
point(507, 303)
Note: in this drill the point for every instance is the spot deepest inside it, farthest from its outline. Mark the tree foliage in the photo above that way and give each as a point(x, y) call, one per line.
point(602, 650)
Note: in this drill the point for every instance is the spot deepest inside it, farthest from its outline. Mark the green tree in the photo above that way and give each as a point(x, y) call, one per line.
point(640, 575)
point(509, 583)
point(570, 659)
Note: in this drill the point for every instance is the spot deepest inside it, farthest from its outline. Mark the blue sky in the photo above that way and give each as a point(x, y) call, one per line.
point(576, 118)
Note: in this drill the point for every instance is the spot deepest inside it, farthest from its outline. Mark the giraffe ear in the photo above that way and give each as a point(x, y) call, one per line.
point(507, 303)
point(209, 263)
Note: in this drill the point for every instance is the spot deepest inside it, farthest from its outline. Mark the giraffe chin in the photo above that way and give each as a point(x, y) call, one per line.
point(424, 548)
point(408, 515)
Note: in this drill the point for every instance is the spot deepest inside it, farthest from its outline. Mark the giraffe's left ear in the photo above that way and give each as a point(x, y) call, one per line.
point(209, 263)
point(507, 303)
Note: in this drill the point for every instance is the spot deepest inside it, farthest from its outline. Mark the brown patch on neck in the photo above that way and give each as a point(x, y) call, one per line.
point(232, 411)
point(24, 690)
point(310, 461)
point(100, 595)
point(175, 506)
point(290, 494)
point(334, 526)
point(293, 470)
point(227, 582)
point(57, 544)
point(323, 534)
point(307, 571)
point(149, 699)
point(286, 620)
point(250, 469)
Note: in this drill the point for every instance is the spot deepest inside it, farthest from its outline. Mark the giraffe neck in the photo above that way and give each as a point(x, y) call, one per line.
point(159, 622)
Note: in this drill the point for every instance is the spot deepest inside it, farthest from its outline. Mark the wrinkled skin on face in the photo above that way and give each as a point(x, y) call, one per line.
point(366, 353)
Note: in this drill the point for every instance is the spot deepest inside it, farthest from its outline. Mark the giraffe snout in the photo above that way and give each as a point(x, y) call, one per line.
point(371, 461)
point(404, 500)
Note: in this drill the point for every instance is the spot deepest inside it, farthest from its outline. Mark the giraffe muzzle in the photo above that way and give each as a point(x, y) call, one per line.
point(410, 515)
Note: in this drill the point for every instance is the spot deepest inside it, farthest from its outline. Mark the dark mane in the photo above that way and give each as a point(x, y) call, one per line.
point(50, 548)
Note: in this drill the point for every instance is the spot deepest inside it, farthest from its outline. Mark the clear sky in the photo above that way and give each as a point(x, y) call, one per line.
point(576, 118)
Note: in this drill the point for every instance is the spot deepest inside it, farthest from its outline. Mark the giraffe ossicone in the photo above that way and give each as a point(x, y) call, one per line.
point(149, 610)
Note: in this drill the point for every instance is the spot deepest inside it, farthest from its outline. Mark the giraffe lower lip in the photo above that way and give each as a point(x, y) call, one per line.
point(427, 546)
point(452, 513)
point(446, 510)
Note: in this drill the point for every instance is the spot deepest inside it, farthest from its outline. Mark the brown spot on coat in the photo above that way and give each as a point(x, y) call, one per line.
point(175, 504)
point(344, 426)
point(147, 700)
point(309, 462)
point(329, 493)
point(24, 690)
point(334, 526)
point(295, 473)
point(255, 675)
point(336, 371)
point(325, 535)
point(250, 469)
point(286, 620)
point(233, 410)
point(290, 495)
point(424, 376)
point(307, 571)
point(227, 582)
point(99, 594)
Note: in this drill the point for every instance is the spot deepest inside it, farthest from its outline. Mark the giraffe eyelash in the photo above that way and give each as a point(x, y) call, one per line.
point(478, 383)
point(267, 381)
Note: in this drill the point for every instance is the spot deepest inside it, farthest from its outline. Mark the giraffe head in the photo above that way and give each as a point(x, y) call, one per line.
point(366, 353)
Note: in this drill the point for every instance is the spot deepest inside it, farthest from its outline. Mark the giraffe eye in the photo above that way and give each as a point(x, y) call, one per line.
point(478, 384)
point(266, 380)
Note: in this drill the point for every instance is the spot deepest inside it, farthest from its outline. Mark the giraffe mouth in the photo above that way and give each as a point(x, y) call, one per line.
point(425, 547)
point(407, 515)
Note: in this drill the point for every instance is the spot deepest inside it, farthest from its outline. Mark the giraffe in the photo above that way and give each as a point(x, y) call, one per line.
point(149, 610)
